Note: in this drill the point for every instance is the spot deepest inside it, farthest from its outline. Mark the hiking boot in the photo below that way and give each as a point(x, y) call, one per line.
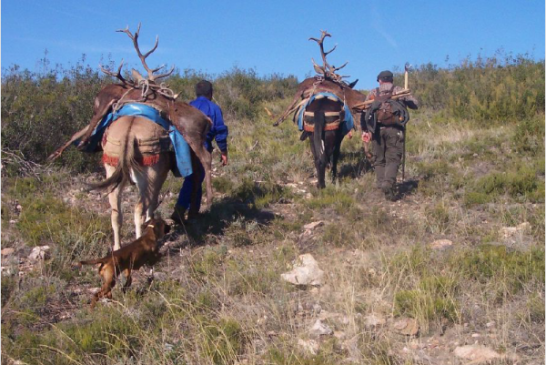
point(390, 193)
point(178, 214)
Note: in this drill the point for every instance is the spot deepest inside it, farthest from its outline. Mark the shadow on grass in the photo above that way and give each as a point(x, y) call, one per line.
point(223, 213)
point(358, 164)
point(408, 187)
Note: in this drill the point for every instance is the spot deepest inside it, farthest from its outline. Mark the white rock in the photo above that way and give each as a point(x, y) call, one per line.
point(477, 354)
point(38, 253)
point(310, 346)
point(306, 272)
point(320, 329)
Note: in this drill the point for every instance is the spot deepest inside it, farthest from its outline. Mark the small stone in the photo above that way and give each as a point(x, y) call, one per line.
point(313, 225)
point(374, 320)
point(340, 335)
point(508, 232)
point(168, 347)
point(490, 324)
point(441, 244)
point(477, 354)
point(476, 335)
point(406, 326)
point(310, 346)
point(320, 329)
point(7, 251)
point(38, 253)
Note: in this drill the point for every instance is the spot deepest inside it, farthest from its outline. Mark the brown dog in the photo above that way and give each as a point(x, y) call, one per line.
point(133, 256)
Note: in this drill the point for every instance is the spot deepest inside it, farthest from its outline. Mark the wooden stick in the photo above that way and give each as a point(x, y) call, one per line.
point(366, 104)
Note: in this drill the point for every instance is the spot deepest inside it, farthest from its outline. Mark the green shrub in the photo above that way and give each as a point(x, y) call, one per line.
point(434, 299)
point(492, 263)
point(497, 88)
point(529, 136)
point(522, 183)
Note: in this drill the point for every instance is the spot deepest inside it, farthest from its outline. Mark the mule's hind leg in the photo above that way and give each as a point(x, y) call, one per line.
point(157, 174)
point(335, 153)
point(319, 165)
point(140, 177)
point(114, 197)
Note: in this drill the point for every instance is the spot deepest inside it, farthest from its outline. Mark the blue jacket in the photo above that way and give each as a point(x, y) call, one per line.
point(219, 130)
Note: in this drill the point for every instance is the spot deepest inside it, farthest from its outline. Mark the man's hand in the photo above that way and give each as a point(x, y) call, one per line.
point(224, 158)
point(350, 134)
point(366, 137)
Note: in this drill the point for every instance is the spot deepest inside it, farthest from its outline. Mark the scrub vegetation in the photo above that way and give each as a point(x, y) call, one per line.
point(474, 179)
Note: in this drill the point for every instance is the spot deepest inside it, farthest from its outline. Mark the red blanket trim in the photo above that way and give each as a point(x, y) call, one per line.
point(147, 160)
point(109, 160)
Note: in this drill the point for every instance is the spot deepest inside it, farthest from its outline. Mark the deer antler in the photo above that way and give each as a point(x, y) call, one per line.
point(143, 57)
point(327, 70)
point(117, 75)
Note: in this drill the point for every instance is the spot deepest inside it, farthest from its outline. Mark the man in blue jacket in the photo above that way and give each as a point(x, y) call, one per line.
point(218, 132)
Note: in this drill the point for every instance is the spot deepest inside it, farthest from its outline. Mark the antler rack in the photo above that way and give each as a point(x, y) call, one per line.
point(329, 71)
point(138, 80)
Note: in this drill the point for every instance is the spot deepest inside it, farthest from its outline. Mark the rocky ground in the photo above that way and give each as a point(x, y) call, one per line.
point(338, 297)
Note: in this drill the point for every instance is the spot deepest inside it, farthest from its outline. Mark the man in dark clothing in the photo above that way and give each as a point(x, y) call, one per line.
point(387, 138)
point(218, 132)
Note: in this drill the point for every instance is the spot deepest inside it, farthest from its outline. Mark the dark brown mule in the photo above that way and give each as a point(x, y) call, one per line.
point(325, 142)
point(325, 136)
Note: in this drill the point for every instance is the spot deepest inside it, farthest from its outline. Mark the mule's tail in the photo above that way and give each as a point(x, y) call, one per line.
point(320, 122)
point(126, 161)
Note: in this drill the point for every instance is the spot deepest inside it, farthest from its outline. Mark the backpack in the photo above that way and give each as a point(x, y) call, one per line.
point(385, 113)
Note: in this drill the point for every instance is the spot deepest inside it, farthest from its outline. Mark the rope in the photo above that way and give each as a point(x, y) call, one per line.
point(147, 88)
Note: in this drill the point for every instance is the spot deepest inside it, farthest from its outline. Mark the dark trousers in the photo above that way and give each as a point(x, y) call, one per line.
point(192, 186)
point(388, 146)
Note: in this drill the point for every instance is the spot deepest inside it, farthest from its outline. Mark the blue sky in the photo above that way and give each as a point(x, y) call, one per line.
point(271, 36)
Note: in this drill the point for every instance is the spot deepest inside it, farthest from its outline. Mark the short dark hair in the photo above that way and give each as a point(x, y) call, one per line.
point(203, 88)
point(385, 76)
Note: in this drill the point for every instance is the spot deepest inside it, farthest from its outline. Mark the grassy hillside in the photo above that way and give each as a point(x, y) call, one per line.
point(475, 179)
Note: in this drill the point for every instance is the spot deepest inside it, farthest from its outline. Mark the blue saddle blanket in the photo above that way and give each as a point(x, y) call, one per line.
point(181, 147)
point(346, 124)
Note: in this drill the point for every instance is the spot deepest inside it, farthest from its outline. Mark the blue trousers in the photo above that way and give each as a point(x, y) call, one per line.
point(185, 195)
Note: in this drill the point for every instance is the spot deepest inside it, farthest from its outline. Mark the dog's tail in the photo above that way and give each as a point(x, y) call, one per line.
point(126, 161)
